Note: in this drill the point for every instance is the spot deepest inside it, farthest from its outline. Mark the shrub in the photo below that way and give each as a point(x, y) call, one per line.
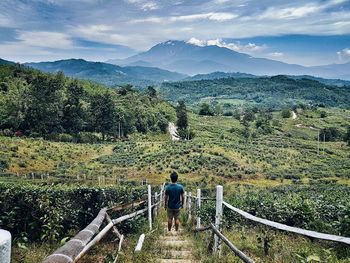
point(49, 213)
point(87, 137)
point(286, 113)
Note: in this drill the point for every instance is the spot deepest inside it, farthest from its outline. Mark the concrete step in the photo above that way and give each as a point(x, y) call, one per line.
point(177, 254)
point(176, 243)
point(169, 238)
point(179, 261)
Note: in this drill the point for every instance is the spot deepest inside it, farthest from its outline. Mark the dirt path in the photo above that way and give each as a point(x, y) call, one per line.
point(173, 131)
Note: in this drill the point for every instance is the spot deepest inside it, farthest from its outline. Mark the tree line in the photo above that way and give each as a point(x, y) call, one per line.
point(40, 104)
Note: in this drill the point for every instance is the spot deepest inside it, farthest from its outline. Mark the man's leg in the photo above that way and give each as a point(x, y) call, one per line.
point(170, 219)
point(177, 220)
point(177, 223)
point(170, 222)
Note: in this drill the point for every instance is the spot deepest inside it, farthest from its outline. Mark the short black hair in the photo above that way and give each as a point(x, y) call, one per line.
point(173, 177)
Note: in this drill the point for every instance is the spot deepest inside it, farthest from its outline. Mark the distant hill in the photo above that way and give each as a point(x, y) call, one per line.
point(271, 92)
point(108, 74)
point(190, 59)
point(221, 75)
point(6, 62)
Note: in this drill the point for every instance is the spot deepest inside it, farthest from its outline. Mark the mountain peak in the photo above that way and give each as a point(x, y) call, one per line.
point(172, 42)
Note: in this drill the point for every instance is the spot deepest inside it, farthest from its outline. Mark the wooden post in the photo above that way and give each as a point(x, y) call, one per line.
point(218, 217)
point(189, 206)
point(161, 198)
point(140, 243)
point(5, 246)
point(155, 201)
point(150, 207)
point(198, 207)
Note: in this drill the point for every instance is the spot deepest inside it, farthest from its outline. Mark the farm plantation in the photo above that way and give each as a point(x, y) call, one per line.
point(270, 165)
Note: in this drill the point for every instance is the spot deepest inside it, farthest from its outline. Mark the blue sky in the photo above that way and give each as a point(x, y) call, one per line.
point(302, 32)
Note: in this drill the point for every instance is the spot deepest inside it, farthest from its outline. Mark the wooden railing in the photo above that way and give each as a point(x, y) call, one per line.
point(218, 236)
point(80, 244)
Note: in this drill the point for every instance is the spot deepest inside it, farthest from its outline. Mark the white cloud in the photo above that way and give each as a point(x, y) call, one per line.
point(276, 54)
point(289, 12)
point(45, 39)
point(144, 5)
point(101, 33)
point(236, 46)
point(220, 17)
point(152, 19)
point(5, 21)
point(295, 12)
point(344, 54)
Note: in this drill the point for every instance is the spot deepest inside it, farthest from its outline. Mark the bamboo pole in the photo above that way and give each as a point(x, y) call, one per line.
point(104, 231)
point(233, 248)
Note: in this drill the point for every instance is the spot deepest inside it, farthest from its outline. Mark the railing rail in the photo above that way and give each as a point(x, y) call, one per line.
point(220, 204)
point(80, 244)
point(287, 228)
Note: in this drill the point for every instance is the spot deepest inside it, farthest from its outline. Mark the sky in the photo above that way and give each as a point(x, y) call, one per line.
point(309, 33)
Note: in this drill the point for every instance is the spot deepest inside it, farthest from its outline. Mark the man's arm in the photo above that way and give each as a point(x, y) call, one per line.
point(182, 199)
point(166, 198)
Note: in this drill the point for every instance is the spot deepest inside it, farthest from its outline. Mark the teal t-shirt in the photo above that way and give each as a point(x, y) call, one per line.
point(174, 191)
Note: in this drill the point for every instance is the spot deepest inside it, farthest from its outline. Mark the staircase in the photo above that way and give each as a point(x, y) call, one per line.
point(176, 247)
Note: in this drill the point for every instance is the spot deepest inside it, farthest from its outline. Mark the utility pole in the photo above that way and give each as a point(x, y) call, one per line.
point(324, 142)
point(318, 143)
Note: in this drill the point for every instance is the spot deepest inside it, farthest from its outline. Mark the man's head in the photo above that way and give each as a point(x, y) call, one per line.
point(173, 177)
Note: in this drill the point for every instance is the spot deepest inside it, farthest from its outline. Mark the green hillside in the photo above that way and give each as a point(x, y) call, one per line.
point(41, 104)
point(269, 92)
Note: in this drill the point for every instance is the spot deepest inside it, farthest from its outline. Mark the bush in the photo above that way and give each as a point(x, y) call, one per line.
point(87, 137)
point(330, 134)
point(323, 114)
point(286, 113)
point(3, 165)
point(49, 213)
point(206, 109)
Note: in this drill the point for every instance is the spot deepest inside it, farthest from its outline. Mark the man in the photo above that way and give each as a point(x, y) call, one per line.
point(174, 198)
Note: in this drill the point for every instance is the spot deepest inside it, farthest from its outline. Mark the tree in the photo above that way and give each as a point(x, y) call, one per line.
point(248, 116)
point(330, 134)
point(13, 103)
point(263, 122)
point(347, 136)
point(323, 114)
point(74, 115)
point(205, 109)
point(103, 114)
point(286, 113)
point(151, 91)
point(45, 101)
point(181, 113)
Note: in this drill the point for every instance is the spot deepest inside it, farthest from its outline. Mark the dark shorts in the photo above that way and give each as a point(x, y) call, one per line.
point(173, 213)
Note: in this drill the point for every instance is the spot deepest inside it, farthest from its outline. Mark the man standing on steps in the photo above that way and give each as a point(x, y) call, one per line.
point(174, 198)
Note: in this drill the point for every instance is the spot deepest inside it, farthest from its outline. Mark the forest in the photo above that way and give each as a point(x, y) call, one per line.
point(267, 92)
point(56, 107)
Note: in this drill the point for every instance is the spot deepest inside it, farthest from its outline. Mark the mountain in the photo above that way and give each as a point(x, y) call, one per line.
point(108, 74)
point(340, 71)
point(187, 58)
point(6, 62)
